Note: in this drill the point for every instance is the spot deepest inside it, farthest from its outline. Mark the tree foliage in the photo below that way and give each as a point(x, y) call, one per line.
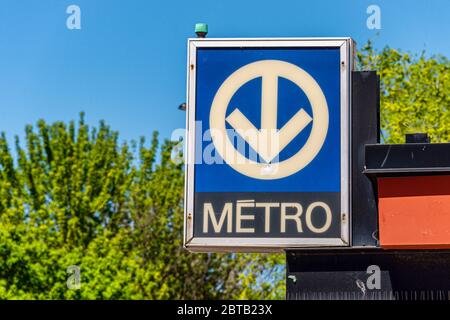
point(415, 93)
point(75, 196)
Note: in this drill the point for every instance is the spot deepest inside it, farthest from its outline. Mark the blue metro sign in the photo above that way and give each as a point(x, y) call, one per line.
point(268, 143)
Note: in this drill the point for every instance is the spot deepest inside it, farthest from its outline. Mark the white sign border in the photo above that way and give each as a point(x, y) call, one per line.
point(242, 244)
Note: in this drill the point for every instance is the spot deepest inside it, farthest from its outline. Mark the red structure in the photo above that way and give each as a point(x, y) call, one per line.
point(414, 212)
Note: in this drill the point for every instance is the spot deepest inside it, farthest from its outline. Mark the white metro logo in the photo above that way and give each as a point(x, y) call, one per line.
point(269, 141)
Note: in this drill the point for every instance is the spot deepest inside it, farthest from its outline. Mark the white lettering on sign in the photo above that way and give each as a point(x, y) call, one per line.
point(290, 212)
point(240, 216)
point(209, 212)
point(267, 207)
point(295, 217)
point(309, 212)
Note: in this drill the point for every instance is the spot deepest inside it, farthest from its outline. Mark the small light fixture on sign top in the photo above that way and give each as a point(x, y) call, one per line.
point(201, 30)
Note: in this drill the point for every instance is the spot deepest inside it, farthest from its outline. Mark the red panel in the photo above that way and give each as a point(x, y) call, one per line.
point(414, 212)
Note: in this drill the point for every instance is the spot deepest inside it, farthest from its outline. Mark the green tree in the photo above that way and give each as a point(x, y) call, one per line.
point(75, 196)
point(414, 92)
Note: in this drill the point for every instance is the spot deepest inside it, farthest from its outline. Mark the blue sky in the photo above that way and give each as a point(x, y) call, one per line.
point(127, 64)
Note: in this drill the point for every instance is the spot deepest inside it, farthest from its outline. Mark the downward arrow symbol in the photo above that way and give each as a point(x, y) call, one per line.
point(268, 141)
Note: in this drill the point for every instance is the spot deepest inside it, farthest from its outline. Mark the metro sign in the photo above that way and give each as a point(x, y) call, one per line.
point(267, 163)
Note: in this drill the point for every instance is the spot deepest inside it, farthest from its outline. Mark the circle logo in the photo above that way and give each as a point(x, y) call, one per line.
point(269, 141)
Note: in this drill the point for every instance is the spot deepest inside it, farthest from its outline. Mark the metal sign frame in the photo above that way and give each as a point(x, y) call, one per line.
point(234, 244)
